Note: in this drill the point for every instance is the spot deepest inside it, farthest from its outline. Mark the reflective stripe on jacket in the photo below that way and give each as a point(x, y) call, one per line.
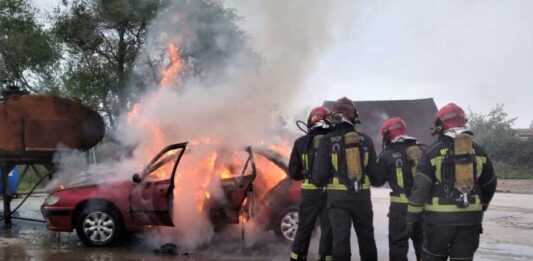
point(432, 195)
point(302, 158)
point(331, 167)
point(394, 167)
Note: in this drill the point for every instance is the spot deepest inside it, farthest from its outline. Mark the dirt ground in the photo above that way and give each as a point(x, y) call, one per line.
point(508, 234)
point(523, 186)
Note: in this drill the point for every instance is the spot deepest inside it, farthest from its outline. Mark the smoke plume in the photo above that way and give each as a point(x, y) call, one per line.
point(241, 106)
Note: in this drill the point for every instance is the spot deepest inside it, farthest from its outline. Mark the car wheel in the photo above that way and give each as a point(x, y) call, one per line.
point(99, 226)
point(287, 223)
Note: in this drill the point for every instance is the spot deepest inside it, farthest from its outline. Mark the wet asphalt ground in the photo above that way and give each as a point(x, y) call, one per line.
point(508, 235)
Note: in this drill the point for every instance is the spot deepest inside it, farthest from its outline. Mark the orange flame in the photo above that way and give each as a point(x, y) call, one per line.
point(170, 75)
point(268, 176)
point(243, 216)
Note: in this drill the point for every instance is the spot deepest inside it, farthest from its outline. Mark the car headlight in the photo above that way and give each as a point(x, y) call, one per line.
point(51, 200)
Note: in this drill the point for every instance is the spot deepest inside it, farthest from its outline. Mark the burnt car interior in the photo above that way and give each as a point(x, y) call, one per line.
point(236, 191)
point(157, 179)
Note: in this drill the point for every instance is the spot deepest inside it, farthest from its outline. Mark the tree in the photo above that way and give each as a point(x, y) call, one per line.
point(493, 131)
point(102, 39)
point(111, 58)
point(510, 155)
point(28, 53)
point(207, 38)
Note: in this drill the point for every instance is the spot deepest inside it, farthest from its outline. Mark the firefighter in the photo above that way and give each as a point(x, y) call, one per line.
point(313, 197)
point(453, 186)
point(397, 165)
point(346, 163)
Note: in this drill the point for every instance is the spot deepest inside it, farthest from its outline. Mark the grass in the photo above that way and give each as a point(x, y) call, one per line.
point(30, 178)
point(508, 171)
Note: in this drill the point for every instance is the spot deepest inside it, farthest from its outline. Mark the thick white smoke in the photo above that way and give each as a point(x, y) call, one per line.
point(243, 106)
point(240, 109)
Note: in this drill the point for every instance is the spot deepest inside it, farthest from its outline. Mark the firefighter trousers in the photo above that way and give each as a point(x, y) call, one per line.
point(312, 207)
point(399, 236)
point(456, 242)
point(344, 213)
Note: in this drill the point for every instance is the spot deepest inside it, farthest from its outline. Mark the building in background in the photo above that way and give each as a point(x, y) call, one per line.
point(418, 114)
point(524, 134)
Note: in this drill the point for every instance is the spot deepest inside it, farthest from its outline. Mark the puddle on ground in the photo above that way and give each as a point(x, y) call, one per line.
point(32, 241)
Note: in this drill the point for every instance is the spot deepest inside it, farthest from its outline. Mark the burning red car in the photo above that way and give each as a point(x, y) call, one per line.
point(101, 213)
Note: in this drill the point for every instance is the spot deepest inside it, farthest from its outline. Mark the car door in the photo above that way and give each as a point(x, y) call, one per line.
point(238, 189)
point(151, 194)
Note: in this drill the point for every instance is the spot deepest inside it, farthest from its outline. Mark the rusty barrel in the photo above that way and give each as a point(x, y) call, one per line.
point(33, 127)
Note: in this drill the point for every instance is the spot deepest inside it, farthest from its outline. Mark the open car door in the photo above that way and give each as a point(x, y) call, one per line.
point(151, 195)
point(238, 191)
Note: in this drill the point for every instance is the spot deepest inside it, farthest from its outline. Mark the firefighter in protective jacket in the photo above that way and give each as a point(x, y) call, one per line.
point(454, 185)
point(346, 163)
point(313, 197)
point(397, 165)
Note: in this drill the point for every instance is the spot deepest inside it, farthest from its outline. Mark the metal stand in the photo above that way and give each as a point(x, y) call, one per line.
point(4, 167)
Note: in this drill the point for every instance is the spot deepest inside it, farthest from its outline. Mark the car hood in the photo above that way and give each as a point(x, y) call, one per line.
point(86, 179)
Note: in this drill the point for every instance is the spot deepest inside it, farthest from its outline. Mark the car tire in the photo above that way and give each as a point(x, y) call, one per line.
point(286, 223)
point(99, 226)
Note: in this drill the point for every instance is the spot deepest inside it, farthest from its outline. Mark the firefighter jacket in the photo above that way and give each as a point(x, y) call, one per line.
point(302, 157)
point(395, 166)
point(434, 190)
point(345, 161)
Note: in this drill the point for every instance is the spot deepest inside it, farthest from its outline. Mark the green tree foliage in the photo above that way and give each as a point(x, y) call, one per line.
point(494, 132)
point(102, 39)
point(209, 40)
point(28, 53)
point(206, 38)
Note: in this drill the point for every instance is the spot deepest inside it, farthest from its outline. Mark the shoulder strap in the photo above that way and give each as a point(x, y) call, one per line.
point(305, 156)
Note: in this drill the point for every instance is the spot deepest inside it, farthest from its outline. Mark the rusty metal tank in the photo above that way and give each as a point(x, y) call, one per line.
point(33, 127)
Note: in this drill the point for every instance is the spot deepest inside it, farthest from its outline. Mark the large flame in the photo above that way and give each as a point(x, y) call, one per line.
point(269, 175)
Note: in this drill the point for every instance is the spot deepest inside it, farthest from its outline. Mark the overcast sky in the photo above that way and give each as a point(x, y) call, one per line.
point(474, 53)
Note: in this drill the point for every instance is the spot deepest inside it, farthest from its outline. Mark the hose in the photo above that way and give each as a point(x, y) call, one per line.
point(25, 198)
point(299, 123)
